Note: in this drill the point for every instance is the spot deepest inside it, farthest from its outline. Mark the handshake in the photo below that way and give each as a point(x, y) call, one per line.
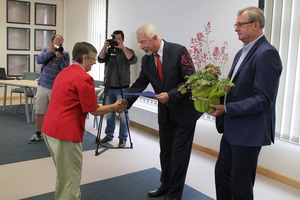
point(120, 105)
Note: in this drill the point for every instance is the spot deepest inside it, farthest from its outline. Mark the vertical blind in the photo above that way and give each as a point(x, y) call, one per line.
point(283, 31)
point(96, 32)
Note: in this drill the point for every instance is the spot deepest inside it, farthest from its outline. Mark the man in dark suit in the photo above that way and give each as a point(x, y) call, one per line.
point(177, 116)
point(247, 118)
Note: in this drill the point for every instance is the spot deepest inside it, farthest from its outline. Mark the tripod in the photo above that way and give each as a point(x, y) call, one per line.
point(112, 59)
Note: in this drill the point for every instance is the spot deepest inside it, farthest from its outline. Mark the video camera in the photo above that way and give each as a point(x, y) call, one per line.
point(112, 41)
point(59, 48)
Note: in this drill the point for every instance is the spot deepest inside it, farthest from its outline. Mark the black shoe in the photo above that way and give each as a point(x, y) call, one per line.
point(122, 143)
point(171, 198)
point(105, 139)
point(157, 193)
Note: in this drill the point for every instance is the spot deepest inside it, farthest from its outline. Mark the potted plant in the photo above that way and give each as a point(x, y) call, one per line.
point(206, 87)
point(205, 84)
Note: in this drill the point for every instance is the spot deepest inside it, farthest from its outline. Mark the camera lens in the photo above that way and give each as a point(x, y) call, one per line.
point(59, 48)
point(112, 41)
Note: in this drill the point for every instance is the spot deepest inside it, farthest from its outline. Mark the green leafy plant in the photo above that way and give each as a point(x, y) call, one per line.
point(208, 77)
point(206, 87)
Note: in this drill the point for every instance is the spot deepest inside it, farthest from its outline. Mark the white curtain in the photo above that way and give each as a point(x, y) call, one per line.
point(96, 32)
point(283, 31)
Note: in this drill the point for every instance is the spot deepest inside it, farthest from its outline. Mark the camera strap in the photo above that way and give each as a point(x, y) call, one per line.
point(47, 61)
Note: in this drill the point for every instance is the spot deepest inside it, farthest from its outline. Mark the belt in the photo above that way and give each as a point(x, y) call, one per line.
point(125, 86)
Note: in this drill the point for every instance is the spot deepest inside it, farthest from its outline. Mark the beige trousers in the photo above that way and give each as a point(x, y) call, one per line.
point(67, 158)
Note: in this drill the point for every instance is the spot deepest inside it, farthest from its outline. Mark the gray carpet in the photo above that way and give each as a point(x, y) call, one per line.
point(15, 133)
point(133, 186)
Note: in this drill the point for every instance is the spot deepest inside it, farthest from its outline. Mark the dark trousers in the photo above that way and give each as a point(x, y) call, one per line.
point(235, 171)
point(175, 150)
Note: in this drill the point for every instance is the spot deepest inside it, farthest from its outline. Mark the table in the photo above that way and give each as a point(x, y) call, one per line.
point(21, 83)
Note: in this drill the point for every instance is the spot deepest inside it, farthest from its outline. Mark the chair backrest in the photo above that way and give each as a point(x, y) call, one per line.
point(30, 75)
point(97, 84)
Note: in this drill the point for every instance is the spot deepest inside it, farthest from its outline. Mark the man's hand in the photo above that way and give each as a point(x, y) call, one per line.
point(106, 44)
point(220, 109)
point(51, 48)
point(120, 106)
point(120, 44)
point(58, 54)
point(162, 97)
point(125, 103)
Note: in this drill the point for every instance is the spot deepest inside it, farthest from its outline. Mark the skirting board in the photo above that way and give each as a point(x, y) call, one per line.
point(260, 170)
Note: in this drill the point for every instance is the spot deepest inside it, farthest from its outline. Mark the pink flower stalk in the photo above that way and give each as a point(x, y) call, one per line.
point(200, 50)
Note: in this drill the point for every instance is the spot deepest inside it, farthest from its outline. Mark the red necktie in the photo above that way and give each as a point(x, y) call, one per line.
point(159, 66)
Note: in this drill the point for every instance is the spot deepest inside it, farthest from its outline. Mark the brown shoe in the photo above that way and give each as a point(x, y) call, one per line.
point(122, 143)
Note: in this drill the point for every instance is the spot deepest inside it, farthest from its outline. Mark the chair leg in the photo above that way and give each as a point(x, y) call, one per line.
point(95, 123)
point(32, 111)
point(10, 99)
point(32, 115)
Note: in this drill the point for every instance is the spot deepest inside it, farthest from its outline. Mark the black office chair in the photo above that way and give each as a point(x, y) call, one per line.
point(99, 88)
point(20, 90)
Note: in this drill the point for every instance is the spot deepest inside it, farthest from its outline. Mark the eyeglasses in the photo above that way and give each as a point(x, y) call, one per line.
point(239, 24)
point(95, 59)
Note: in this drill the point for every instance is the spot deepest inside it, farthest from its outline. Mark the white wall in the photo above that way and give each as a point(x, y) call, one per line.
point(76, 16)
point(3, 25)
point(179, 21)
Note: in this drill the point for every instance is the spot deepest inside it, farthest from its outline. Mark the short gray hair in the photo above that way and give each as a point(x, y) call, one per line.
point(150, 30)
point(82, 48)
point(254, 13)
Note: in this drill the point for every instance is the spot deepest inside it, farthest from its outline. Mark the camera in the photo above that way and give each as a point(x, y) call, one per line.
point(59, 48)
point(112, 41)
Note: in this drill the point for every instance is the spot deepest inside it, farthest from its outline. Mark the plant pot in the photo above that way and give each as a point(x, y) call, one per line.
point(202, 105)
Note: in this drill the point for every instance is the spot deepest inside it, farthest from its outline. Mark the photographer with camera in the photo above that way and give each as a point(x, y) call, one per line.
point(124, 58)
point(53, 60)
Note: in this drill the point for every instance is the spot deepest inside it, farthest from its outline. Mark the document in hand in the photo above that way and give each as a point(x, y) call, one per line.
point(145, 94)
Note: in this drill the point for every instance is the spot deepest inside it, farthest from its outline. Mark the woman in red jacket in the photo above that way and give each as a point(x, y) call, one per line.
point(73, 96)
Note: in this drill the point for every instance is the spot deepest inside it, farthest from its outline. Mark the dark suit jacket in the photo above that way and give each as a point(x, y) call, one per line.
point(250, 105)
point(174, 71)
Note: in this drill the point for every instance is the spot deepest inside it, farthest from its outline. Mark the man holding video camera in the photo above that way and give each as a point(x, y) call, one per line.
point(53, 60)
point(124, 57)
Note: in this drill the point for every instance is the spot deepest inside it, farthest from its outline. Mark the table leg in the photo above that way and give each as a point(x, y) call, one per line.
point(26, 106)
point(4, 97)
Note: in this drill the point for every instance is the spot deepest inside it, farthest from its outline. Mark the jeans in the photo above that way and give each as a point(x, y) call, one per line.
point(112, 97)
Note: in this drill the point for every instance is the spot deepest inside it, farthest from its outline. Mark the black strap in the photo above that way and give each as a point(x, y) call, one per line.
point(47, 61)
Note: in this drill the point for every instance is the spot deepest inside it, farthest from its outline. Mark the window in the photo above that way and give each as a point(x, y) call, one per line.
point(18, 12)
point(283, 31)
point(45, 14)
point(17, 64)
point(18, 38)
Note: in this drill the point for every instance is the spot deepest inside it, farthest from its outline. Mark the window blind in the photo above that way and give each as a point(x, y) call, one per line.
point(283, 31)
point(96, 32)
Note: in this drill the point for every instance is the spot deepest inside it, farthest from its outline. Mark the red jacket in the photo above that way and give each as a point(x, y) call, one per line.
point(73, 96)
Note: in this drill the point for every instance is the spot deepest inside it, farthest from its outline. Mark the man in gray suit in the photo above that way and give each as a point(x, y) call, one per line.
point(177, 116)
